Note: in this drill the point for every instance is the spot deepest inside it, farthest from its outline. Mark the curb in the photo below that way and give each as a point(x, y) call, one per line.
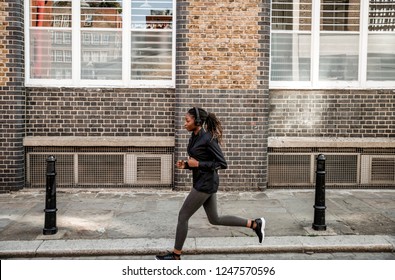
point(205, 245)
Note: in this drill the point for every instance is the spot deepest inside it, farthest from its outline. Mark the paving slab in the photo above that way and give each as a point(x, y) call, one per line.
point(109, 221)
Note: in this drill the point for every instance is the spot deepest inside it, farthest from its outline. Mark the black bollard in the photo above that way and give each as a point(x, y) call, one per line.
point(50, 198)
point(319, 207)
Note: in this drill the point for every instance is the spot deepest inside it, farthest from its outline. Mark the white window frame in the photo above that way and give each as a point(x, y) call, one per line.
point(76, 80)
point(314, 82)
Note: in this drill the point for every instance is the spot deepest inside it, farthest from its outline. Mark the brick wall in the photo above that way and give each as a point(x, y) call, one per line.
point(99, 112)
point(332, 113)
point(12, 96)
point(222, 67)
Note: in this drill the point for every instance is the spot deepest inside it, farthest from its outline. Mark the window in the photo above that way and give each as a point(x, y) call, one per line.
point(151, 41)
point(100, 43)
point(339, 40)
point(291, 41)
point(381, 41)
point(332, 44)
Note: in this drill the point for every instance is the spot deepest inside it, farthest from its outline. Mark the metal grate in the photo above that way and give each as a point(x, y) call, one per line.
point(102, 166)
point(341, 169)
point(148, 169)
point(94, 169)
point(348, 167)
point(37, 172)
point(383, 169)
point(289, 169)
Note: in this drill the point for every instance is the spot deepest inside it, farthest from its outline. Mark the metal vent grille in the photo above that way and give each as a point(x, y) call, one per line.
point(289, 169)
point(37, 172)
point(341, 169)
point(349, 167)
point(148, 169)
point(102, 167)
point(383, 169)
point(286, 169)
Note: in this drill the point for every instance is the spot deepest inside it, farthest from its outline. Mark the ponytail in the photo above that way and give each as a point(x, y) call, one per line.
point(214, 126)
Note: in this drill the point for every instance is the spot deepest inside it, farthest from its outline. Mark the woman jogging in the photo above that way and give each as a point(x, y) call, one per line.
point(205, 158)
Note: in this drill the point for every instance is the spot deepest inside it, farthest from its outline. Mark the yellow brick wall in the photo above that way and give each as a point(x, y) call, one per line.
point(223, 44)
point(3, 43)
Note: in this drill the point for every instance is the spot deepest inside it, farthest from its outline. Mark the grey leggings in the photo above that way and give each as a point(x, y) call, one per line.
point(192, 203)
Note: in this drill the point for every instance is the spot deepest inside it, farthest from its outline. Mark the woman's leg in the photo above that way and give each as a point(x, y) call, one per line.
point(210, 206)
point(192, 203)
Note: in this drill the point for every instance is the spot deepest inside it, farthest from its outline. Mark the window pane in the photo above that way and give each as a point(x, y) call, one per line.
point(101, 51)
point(339, 57)
point(291, 15)
point(50, 54)
point(101, 55)
point(151, 40)
point(340, 15)
point(339, 51)
point(381, 41)
point(101, 14)
point(152, 14)
point(290, 57)
point(50, 13)
point(50, 39)
point(381, 57)
point(291, 40)
point(151, 55)
point(381, 15)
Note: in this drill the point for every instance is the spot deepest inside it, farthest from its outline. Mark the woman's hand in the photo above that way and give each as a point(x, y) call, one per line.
point(180, 164)
point(193, 162)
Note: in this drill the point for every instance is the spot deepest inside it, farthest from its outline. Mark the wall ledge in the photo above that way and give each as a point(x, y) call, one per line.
point(74, 141)
point(330, 142)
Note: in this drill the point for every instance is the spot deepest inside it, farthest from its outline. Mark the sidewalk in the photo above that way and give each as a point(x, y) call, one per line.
point(100, 222)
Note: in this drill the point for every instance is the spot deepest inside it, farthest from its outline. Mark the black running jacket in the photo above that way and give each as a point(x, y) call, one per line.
point(205, 149)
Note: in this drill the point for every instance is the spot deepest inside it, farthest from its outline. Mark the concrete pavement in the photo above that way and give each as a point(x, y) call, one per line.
point(105, 222)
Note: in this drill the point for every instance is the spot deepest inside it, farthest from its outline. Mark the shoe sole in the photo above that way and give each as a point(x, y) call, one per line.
point(263, 228)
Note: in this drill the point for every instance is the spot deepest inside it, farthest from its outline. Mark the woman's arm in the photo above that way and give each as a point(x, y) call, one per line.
point(219, 161)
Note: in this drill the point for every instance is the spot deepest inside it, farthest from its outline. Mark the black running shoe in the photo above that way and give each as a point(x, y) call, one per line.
point(169, 256)
point(260, 228)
